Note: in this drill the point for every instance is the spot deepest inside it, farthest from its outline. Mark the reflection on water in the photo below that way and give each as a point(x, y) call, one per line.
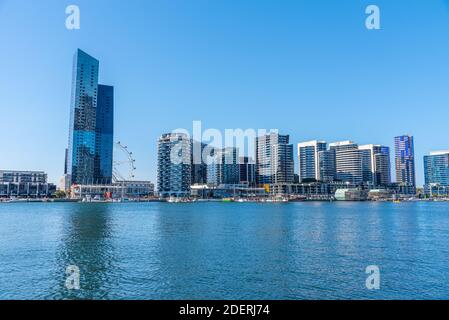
point(224, 251)
point(86, 242)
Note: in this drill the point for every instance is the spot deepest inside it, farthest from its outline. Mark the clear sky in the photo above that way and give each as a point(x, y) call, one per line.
point(309, 68)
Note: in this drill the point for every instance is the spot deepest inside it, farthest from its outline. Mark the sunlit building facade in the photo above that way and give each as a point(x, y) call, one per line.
point(348, 162)
point(89, 159)
point(436, 173)
point(376, 166)
point(309, 160)
point(405, 160)
point(174, 165)
point(274, 159)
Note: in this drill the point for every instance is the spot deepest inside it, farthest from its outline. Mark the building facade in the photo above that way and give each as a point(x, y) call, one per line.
point(90, 147)
point(199, 162)
point(26, 184)
point(174, 165)
point(274, 159)
point(118, 190)
point(224, 167)
point(436, 173)
point(327, 166)
point(309, 161)
point(376, 166)
point(405, 160)
point(348, 162)
point(104, 129)
point(247, 171)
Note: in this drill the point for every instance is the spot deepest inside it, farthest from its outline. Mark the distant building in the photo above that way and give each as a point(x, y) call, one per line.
point(224, 167)
point(310, 190)
point(26, 184)
point(64, 183)
point(348, 162)
point(405, 160)
point(376, 167)
point(104, 134)
point(316, 162)
point(89, 159)
point(247, 171)
point(436, 173)
point(227, 191)
point(274, 159)
point(116, 190)
point(309, 161)
point(327, 166)
point(352, 194)
point(65, 160)
point(199, 164)
point(174, 168)
point(380, 194)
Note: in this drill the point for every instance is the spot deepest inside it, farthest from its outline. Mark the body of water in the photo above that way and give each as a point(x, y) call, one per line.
point(224, 251)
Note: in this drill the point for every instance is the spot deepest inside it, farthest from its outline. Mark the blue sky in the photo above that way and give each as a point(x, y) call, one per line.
point(309, 68)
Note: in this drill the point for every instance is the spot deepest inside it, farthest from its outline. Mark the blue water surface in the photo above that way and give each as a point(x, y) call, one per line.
point(310, 250)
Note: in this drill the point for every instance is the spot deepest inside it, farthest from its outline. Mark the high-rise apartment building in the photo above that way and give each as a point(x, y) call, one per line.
point(327, 166)
point(90, 148)
point(376, 166)
point(174, 165)
point(436, 172)
point(104, 134)
point(247, 170)
point(405, 160)
point(274, 159)
point(348, 162)
point(199, 162)
point(309, 159)
point(224, 167)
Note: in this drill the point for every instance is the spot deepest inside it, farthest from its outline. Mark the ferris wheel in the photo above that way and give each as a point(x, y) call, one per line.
point(123, 163)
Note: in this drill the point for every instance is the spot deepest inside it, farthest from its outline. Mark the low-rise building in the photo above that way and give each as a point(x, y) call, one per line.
point(117, 190)
point(227, 191)
point(352, 194)
point(25, 184)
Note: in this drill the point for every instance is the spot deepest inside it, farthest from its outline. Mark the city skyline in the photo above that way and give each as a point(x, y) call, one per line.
point(153, 79)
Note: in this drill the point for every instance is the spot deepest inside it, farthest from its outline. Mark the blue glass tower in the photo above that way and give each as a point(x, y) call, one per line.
point(405, 160)
point(436, 172)
point(104, 134)
point(89, 158)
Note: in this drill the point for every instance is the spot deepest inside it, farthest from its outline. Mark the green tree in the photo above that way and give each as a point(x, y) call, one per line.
point(60, 194)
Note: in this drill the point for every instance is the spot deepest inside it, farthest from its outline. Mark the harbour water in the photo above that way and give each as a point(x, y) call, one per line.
point(310, 250)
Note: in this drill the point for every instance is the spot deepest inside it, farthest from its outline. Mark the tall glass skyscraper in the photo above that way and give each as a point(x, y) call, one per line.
point(89, 158)
point(104, 134)
point(405, 160)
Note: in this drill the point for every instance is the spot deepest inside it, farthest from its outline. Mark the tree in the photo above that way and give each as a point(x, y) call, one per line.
point(60, 194)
